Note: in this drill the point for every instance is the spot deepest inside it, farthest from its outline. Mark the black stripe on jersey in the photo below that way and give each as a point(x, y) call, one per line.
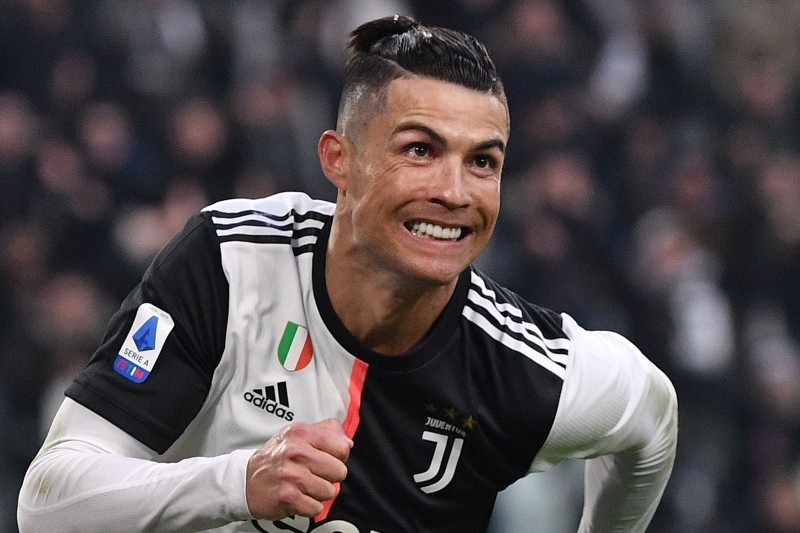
point(263, 219)
point(503, 319)
point(298, 217)
point(253, 223)
point(237, 214)
point(300, 250)
point(258, 239)
point(281, 229)
point(298, 233)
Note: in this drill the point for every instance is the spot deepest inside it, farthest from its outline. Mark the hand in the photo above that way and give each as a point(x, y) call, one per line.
point(295, 471)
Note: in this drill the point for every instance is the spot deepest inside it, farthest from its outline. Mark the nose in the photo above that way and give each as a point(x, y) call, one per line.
point(449, 187)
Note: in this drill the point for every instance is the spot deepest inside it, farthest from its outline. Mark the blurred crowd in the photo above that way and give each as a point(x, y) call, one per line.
point(652, 187)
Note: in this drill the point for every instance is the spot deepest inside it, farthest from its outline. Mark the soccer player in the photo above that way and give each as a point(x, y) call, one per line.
point(288, 364)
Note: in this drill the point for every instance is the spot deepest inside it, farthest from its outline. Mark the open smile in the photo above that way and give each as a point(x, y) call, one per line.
point(429, 230)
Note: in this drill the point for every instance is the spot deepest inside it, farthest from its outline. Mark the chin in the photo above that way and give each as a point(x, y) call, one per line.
point(428, 268)
point(436, 276)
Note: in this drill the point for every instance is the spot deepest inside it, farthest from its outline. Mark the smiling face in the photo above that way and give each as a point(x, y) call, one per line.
point(419, 181)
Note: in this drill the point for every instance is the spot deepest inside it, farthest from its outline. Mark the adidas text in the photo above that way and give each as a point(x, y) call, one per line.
point(265, 400)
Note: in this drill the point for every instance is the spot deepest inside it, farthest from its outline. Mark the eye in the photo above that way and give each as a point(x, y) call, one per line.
point(419, 150)
point(485, 162)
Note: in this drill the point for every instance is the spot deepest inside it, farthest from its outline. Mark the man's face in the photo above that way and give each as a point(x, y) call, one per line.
point(424, 194)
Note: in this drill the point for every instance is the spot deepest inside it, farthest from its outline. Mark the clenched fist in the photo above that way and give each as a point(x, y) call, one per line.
point(295, 471)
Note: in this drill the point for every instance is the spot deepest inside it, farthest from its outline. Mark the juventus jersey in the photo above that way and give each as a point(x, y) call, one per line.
point(231, 335)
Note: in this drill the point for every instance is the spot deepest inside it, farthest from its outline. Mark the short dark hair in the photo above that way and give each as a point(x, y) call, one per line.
point(398, 46)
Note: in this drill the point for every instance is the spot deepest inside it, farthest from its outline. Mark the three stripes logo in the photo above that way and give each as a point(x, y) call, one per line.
point(273, 399)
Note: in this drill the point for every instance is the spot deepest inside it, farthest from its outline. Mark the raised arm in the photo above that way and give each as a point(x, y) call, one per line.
point(620, 412)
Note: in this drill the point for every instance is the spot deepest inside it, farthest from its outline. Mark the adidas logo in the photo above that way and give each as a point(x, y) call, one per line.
point(272, 399)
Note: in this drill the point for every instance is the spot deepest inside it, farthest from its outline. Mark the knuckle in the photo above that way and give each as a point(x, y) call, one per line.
point(297, 430)
point(329, 491)
point(288, 497)
point(342, 474)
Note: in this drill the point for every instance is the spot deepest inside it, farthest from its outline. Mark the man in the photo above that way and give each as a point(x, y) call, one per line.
point(291, 365)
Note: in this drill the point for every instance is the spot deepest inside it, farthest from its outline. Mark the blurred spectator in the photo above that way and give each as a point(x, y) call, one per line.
point(117, 156)
point(23, 274)
point(681, 281)
point(279, 123)
point(24, 256)
point(543, 58)
point(551, 500)
point(68, 322)
point(75, 209)
point(39, 40)
point(200, 146)
point(142, 230)
point(166, 50)
point(18, 130)
point(340, 17)
point(255, 39)
point(477, 17)
point(620, 74)
point(768, 266)
point(565, 253)
point(51, 334)
point(674, 269)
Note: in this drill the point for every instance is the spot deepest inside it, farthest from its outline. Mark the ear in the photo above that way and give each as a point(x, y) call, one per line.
point(334, 157)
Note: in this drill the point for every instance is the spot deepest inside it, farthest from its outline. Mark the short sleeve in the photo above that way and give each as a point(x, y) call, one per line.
point(153, 370)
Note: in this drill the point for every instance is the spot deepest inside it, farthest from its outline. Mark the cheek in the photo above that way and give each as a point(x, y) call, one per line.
point(371, 175)
point(488, 197)
point(371, 202)
point(394, 185)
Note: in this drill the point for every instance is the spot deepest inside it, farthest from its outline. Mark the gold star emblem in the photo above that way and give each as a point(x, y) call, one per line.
point(451, 413)
point(430, 408)
point(469, 422)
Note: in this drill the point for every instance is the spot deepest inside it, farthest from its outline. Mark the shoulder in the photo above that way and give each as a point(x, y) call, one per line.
point(487, 293)
point(540, 332)
point(276, 207)
point(613, 398)
point(520, 326)
point(606, 369)
point(606, 354)
point(279, 219)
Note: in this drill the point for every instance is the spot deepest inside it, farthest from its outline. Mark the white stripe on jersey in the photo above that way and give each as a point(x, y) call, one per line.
point(488, 295)
point(549, 353)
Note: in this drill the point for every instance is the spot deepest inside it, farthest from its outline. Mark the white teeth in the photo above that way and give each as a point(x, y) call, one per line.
point(437, 232)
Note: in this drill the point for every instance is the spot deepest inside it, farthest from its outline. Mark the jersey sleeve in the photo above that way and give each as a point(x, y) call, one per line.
point(153, 370)
point(92, 476)
point(620, 412)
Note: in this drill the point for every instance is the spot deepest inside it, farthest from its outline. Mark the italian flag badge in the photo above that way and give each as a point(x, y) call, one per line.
point(295, 350)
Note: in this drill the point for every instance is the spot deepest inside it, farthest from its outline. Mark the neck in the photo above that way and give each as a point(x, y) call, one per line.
point(384, 312)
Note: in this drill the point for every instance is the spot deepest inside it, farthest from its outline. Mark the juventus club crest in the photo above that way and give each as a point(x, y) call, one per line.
point(447, 429)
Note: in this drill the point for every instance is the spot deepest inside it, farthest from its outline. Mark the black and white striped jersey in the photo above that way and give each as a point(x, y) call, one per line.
point(231, 335)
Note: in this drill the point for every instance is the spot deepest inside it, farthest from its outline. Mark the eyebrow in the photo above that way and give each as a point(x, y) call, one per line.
point(492, 143)
point(439, 138)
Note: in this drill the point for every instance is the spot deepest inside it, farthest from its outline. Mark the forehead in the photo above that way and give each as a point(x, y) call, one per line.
point(450, 109)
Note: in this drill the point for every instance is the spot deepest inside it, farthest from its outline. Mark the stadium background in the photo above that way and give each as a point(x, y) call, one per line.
point(652, 187)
